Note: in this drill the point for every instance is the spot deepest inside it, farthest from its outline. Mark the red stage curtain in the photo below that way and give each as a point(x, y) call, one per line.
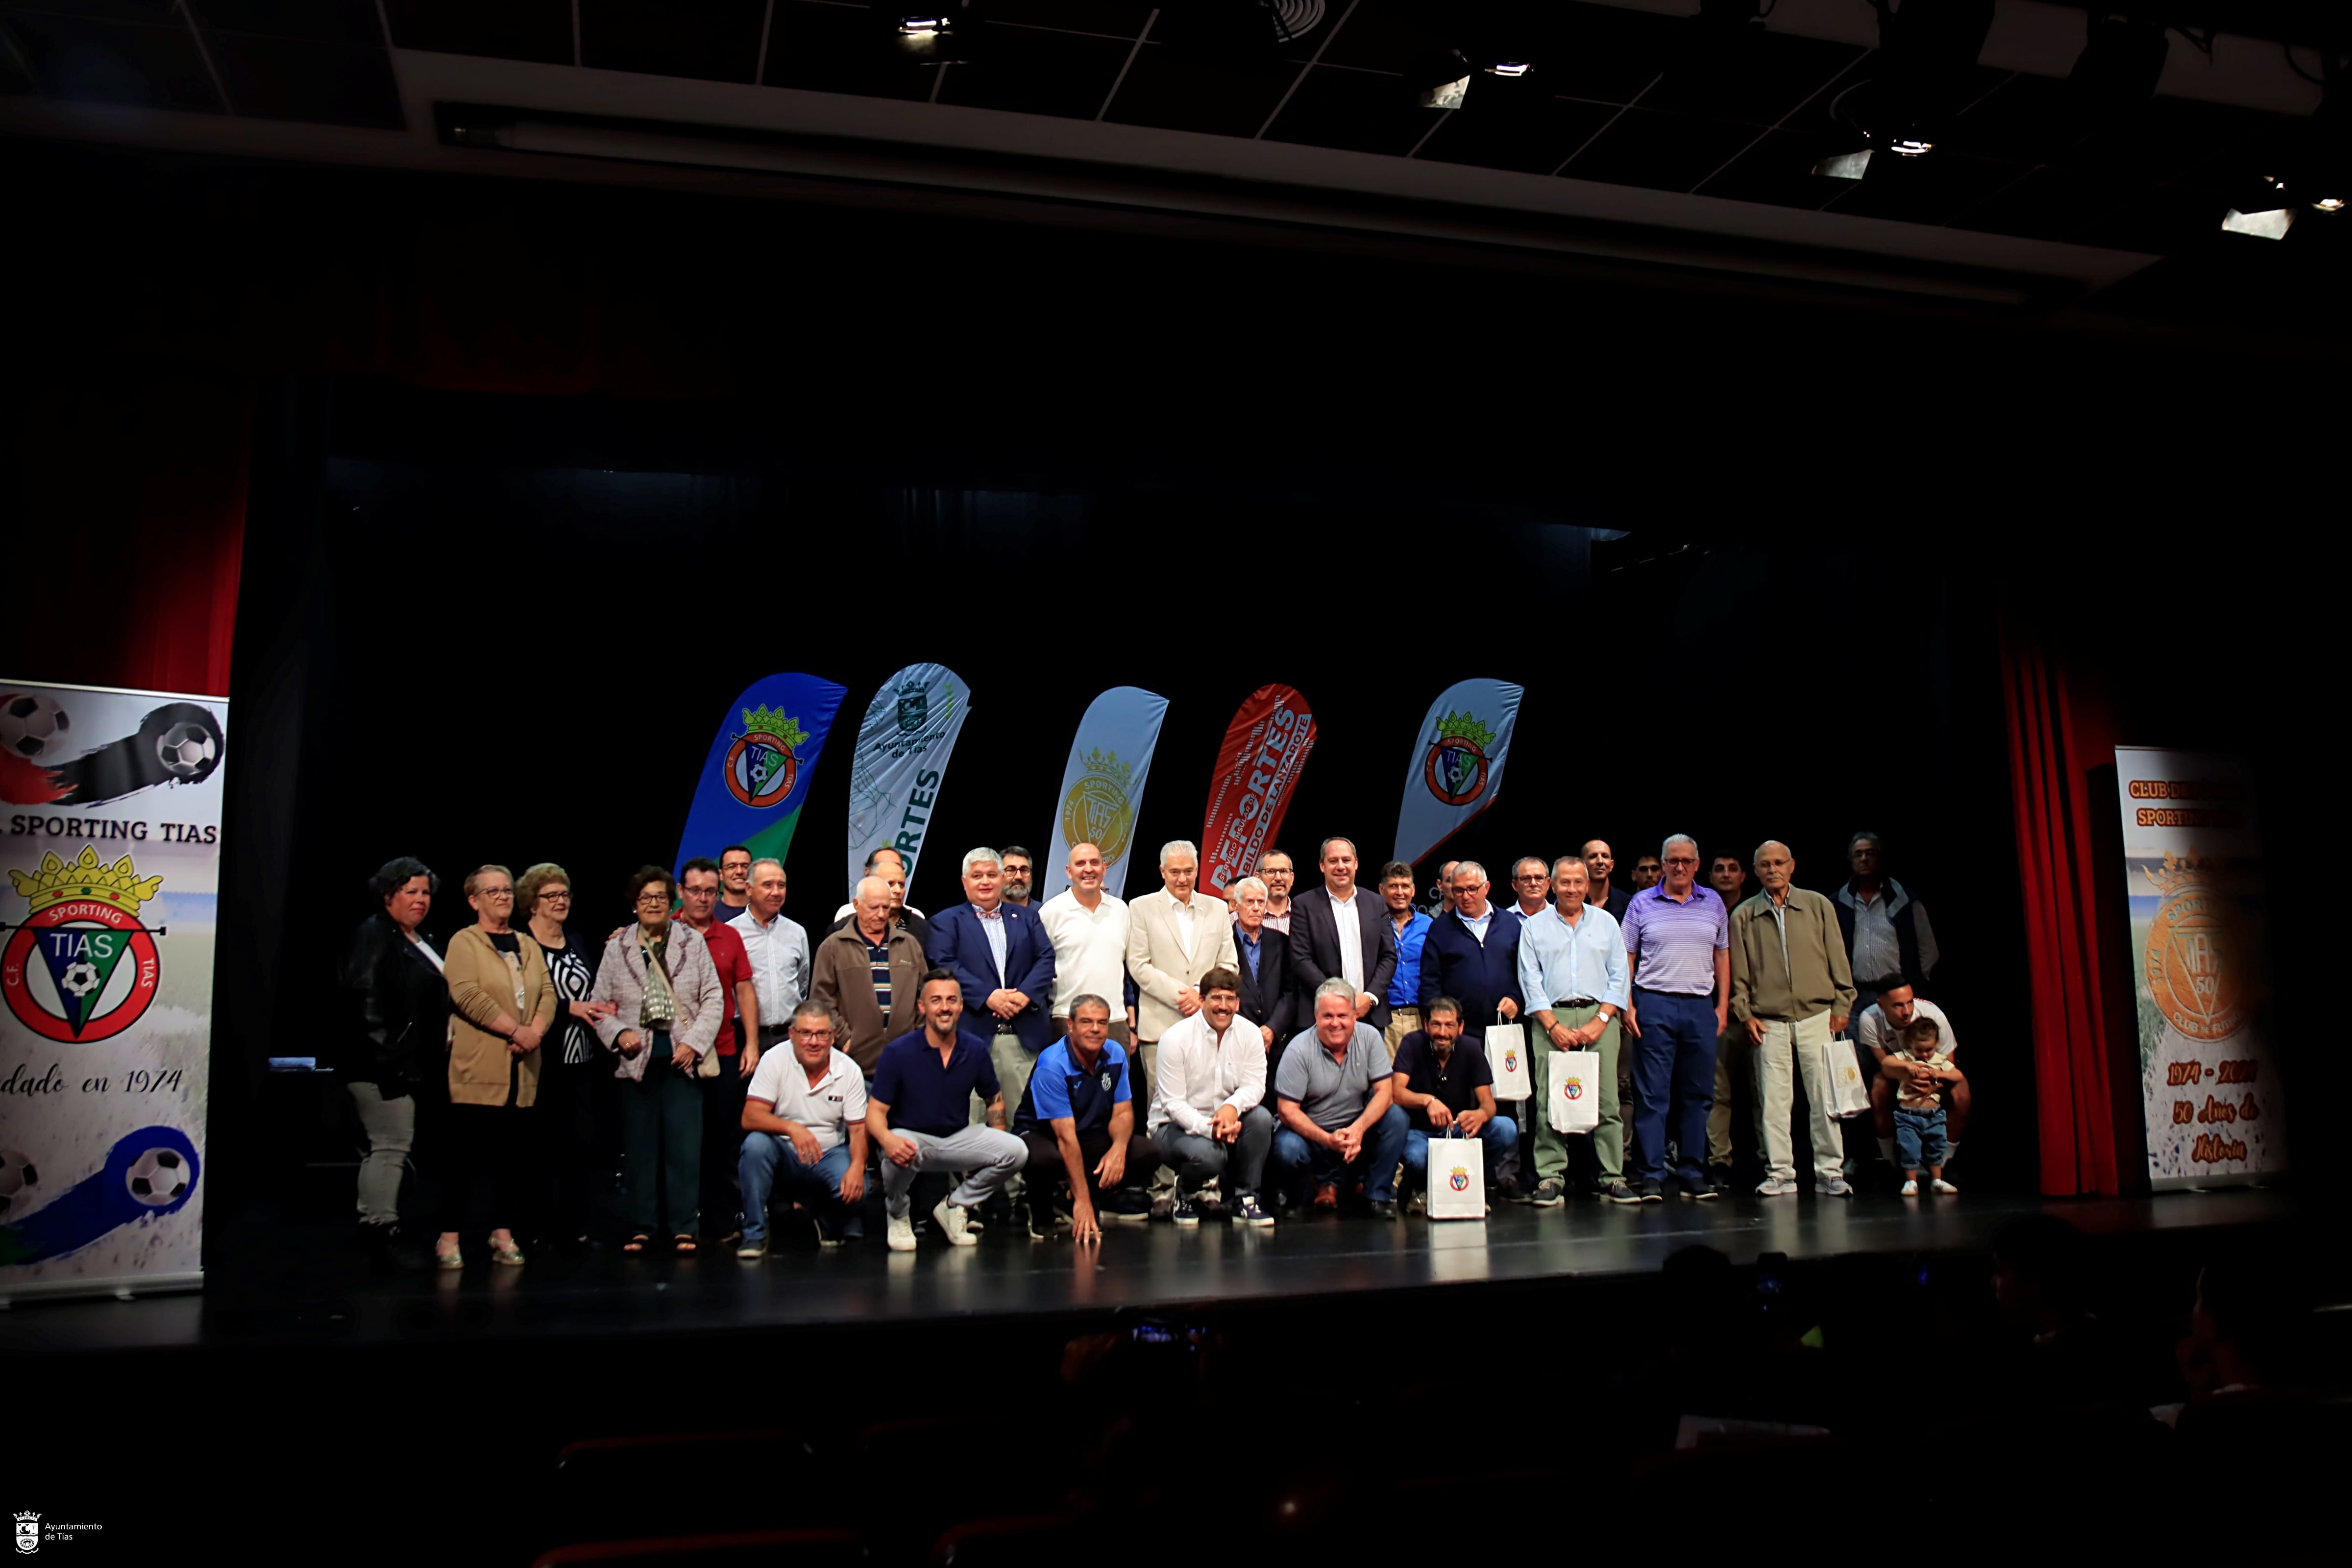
point(129, 493)
point(2059, 731)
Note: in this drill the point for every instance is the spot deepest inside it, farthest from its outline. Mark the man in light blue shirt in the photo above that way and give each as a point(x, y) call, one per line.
point(1412, 928)
point(1573, 980)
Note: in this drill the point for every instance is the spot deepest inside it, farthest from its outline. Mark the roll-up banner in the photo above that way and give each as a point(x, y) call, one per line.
point(112, 854)
point(1456, 767)
point(756, 778)
point(1102, 783)
point(1263, 751)
point(2192, 856)
point(901, 761)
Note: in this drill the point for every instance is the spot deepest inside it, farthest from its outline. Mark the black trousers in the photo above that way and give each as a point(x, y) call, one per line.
point(722, 1146)
point(486, 1153)
point(575, 1150)
point(1046, 1171)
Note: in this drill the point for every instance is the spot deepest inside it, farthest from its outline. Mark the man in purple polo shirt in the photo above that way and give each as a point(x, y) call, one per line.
point(1678, 945)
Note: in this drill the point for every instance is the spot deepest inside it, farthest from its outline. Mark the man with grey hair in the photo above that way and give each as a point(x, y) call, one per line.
point(777, 948)
point(1001, 957)
point(1791, 991)
point(1173, 937)
point(1340, 1127)
point(1531, 888)
point(891, 866)
point(1265, 965)
point(1678, 945)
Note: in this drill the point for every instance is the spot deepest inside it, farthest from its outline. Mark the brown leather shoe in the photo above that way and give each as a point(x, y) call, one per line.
point(1326, 1196)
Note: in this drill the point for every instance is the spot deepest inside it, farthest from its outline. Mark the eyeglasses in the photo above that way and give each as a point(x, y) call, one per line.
point(495, 893)
point(653, 900)
point(1532, 876)
point(1682, 860)
point(554, 893)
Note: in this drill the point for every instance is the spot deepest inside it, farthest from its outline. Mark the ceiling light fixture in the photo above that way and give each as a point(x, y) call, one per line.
point(1927, 53)
point(942, 35)
point(2311, 168)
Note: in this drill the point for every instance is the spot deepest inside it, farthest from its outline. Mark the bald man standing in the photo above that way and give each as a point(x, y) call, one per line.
point(1792, 991)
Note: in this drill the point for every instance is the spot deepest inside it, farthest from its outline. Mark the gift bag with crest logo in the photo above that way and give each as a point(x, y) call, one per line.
point(1457, 1177)
point(1574, 1102)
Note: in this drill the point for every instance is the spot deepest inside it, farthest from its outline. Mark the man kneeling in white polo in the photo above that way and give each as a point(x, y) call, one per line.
point(805, 1112)
point(918, 1111)
point(1208, 1114)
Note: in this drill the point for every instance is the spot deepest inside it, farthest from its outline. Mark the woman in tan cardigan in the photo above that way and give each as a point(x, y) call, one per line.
point(505, 1003)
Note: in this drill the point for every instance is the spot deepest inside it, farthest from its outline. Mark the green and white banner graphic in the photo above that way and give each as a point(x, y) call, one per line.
point(901, 761)
point(111, 848)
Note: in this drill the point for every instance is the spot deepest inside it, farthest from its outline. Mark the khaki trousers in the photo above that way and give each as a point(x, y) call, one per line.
point(1735, 1064)
point(1608, 1138)
point(1402, 1021)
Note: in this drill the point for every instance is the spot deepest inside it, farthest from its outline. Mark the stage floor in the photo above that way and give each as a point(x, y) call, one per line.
point(307, 1286)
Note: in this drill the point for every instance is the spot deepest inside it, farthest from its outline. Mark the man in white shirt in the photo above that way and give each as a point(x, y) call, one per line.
point(1208, 1111)
point(1173, 937)
point(1879, 1028)
point(804, 1132)
point(1088, 930)
point(775, 943)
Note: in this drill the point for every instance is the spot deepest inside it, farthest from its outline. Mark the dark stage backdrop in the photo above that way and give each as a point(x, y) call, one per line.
point(527, 616)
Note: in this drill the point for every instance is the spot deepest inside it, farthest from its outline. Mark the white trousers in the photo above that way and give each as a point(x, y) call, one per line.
point(1807, 1043)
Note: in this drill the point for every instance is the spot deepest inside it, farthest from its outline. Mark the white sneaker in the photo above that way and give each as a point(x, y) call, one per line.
point(1911, 1189)
point(1941, 1185)
point(955, 1224)
point(1776, 1187)
point(902, 1233)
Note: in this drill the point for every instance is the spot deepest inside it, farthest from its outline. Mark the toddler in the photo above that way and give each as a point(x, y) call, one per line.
point(1918, 1113)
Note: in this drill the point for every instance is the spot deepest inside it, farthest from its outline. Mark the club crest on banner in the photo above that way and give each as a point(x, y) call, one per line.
point(1096, 809)
point(1455, 767)
point(28, 1532)
point(2187, 955)
point(97, 964)
point(761, 766)
point(1460, 1179)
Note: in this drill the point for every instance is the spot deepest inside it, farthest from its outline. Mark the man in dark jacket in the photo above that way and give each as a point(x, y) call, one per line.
point(1339, 931)
point(1261, 957)
point(1473, 956)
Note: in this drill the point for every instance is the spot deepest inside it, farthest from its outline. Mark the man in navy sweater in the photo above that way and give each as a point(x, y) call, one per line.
point(1471, 954)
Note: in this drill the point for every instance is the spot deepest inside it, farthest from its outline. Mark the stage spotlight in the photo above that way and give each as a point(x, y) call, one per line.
point(1928, 49)
point(2117, 73)
point(2272, 225)
point(943, 33)
point(1441, 82)
point(2311, 169)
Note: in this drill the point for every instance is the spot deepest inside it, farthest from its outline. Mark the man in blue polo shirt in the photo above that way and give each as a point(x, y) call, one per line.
point(1077, 1124)
point(918, 1111)
point(1678, 945)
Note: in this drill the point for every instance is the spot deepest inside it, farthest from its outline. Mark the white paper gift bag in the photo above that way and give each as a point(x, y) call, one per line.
point(1574, 1104)
point(1458, 1178)
point(1849, 1086)
point(1506, 1054)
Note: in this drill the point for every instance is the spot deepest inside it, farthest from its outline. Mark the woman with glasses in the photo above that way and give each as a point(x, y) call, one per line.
point(664, 1004)
point(574, 1099)
point(395, 972)
point(505, 1002)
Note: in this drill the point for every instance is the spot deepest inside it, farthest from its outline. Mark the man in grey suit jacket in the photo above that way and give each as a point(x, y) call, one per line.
point(1338, 930)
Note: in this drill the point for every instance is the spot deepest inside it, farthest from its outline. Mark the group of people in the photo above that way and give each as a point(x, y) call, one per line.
point(1088, 1060)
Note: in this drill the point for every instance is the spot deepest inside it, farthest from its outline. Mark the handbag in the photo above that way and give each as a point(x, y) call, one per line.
point(1457, 1177)
point(1506, 1054)
point(1574, 1103)
point(1849, 1093)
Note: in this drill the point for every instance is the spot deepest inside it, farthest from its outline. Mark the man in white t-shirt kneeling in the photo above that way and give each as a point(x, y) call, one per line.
point(804, 1132)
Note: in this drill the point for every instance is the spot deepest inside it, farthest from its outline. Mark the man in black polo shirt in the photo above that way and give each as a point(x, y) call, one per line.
point(1447, 1088)
point(919, 1112)
point(1083, 1136)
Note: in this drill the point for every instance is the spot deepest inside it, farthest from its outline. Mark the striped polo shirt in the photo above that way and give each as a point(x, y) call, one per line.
point(1673, 944)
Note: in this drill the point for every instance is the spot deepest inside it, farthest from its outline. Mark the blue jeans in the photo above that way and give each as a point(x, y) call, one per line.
point(1498, 1136)
point(1295, 1161)
point(770, 1164)
point(1919, 1137)
point(1673, 1085)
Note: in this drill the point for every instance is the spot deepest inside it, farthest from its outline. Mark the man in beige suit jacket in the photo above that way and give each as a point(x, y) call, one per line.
point(1173, 937)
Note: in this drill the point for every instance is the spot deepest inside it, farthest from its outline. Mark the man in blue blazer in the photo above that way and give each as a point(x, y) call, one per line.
point(1001, 955)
